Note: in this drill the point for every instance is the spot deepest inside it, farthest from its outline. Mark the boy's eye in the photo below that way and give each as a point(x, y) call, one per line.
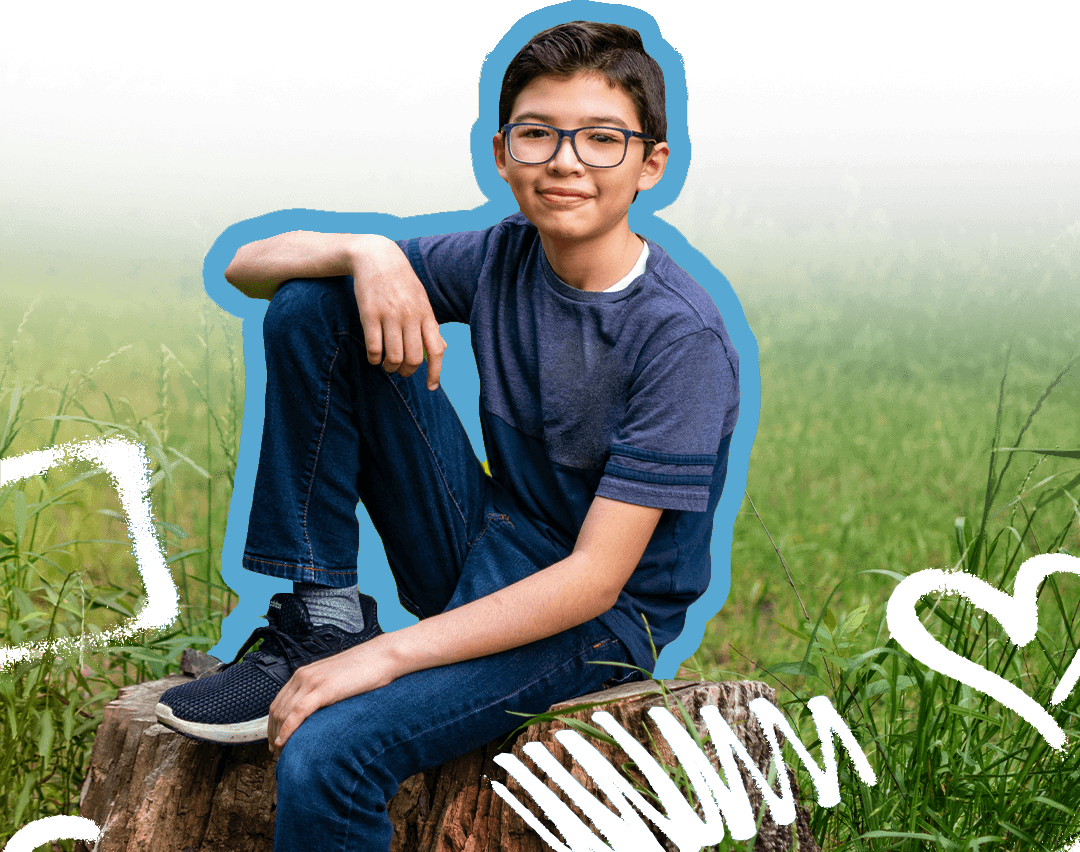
point(533, 132)
point(603, 137)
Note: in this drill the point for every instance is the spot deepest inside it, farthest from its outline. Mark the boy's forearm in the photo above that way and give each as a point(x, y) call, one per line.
point(395, 312)
point(259, 268)
point(574, 590)
point(558, 598)
point(545, 603)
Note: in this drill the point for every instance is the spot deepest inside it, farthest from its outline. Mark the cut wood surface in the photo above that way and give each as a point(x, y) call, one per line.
point(153, 790)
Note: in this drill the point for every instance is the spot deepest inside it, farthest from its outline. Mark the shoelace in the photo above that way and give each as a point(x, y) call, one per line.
point(279, 643)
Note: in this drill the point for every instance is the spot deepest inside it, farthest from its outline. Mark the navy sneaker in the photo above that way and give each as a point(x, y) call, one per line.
point(233, 705)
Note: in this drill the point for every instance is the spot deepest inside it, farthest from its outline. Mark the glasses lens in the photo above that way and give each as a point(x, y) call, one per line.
point(532, 143)
point(600, 147)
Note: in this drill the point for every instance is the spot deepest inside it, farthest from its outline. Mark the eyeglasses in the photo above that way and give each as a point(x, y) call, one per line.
point(596, 147)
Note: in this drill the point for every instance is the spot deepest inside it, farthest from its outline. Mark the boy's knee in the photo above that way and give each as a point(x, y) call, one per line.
point(306, 305)
point(295, 765)
point(319, 771)
point(308, 763)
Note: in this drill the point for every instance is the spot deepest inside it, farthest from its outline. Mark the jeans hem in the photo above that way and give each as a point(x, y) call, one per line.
point(337, 578)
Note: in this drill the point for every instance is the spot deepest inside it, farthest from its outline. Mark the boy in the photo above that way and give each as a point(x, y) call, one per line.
point(609, 391)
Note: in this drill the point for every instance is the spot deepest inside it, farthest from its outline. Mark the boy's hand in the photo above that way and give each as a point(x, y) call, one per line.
point(395, 312)
point(361, 668)
point(399, 325)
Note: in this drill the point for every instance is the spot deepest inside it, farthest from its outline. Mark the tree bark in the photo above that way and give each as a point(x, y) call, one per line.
point(150, 788)
point(448, 809)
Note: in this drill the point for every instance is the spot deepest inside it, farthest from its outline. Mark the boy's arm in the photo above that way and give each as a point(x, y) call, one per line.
point(572, 591)
point(395, 312)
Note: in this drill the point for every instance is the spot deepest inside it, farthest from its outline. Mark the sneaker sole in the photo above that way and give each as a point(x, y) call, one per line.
point(252, 731)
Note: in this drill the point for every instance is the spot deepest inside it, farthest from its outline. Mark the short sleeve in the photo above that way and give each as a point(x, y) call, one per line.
point(449, 266)
point(682, 404)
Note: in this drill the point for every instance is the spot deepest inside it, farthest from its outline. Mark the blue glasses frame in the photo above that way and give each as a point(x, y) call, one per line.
point(570, 134)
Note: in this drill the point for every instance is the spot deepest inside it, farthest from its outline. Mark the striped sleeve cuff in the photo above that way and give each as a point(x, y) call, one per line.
point(661, 480)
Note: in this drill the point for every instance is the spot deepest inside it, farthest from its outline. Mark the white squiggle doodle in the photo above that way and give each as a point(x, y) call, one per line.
point(128, 467)
point(624, 830)
point(47, 829)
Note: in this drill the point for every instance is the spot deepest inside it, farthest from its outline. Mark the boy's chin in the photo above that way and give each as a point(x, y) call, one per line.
point(565, 227)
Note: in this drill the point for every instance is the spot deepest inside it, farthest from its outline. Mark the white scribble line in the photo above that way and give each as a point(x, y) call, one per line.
point(46, 829)
point(623, 829)
point(128, 467)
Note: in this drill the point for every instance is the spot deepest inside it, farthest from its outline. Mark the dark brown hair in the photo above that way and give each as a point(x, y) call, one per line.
point(609, 49)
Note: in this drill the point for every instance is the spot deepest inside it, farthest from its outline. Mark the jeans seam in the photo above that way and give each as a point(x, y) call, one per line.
point(318, 451)
point(262, 561)
point(431, 451)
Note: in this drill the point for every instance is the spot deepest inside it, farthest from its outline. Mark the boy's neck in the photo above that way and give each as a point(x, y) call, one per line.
point(594, 264)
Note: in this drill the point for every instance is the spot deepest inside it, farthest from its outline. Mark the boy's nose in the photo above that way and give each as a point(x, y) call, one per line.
point(565, 158)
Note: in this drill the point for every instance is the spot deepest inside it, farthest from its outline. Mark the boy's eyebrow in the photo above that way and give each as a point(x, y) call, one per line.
point(590, 121)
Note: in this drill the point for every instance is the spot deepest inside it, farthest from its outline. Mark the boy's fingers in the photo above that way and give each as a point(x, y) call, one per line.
point(373, 341)
point(435, 346)
point(393, 348)
point(282, 703)
point(287, 710)
point(371, 324)
point(286, 730)
point(414, 351)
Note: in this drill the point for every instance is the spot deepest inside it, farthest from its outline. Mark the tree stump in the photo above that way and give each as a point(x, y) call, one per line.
point(150, 788)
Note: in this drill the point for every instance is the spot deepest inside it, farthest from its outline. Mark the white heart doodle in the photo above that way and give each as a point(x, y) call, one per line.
point(1017, 613)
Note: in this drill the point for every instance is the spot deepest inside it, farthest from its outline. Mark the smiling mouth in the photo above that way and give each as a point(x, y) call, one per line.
point(563, 196)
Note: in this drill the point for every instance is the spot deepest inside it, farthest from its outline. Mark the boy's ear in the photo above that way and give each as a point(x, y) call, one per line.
point(653, 167)
point(498, 146)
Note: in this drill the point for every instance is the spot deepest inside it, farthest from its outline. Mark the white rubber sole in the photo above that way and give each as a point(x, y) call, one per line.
point(241, 732)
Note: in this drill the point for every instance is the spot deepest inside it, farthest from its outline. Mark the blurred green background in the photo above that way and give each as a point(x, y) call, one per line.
point(893, 193)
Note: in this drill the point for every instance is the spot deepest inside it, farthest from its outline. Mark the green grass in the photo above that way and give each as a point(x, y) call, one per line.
point(955, 771)
point(66, 563)
point(852, 292)
point(872, 462)
point(849, 288)
point(877, 417)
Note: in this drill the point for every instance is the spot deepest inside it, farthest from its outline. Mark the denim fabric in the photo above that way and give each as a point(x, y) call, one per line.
point(338, 430)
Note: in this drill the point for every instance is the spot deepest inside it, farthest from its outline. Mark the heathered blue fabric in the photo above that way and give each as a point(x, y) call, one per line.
point(631, 395)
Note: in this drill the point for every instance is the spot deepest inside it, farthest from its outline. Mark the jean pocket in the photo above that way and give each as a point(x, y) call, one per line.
point(629, 676)
point(613, 652)
point(492, 522)
point(497, 558)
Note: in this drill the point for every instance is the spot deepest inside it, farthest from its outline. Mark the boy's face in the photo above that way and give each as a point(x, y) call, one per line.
point(566, 200)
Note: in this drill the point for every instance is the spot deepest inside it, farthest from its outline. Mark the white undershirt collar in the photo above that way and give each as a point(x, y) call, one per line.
point(623, 283)
point(639, 269)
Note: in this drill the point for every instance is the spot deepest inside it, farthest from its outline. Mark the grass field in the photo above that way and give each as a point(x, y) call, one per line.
point(877, 423)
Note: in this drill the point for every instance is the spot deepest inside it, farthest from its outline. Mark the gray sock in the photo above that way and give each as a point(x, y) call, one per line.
point(339, 607)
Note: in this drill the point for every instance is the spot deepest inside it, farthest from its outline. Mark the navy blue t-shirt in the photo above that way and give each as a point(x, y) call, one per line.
point(630, 395)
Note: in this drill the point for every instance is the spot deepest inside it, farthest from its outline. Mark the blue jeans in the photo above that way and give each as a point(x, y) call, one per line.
point(337, 431)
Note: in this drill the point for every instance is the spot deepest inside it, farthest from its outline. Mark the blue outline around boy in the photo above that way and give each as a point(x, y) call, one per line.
point(609, 394)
